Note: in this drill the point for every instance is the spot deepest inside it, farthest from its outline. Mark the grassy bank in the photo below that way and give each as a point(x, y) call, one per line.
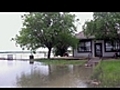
point(108, 73)
point(78, 62)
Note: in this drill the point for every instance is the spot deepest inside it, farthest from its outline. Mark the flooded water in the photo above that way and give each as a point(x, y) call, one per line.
point(22, 74)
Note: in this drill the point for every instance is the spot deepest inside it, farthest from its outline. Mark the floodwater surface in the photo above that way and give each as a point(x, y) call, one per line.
point(23, 74)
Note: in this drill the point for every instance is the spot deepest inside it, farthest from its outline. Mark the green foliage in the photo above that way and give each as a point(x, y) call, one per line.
point(65, 40)
point(103, 26)
point(46, 29)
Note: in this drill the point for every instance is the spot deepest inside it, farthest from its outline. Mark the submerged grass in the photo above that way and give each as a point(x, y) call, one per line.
point(63, 62)
point(108, 73)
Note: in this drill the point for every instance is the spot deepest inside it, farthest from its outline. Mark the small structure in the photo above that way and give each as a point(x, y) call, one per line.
point(9, 57)
point(97, 48)
point(31, 57)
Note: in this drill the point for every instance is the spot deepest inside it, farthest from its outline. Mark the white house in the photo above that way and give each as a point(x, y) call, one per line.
point(97, 48)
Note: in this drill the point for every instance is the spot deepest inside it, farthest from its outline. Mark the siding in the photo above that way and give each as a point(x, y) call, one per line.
point(85, 54)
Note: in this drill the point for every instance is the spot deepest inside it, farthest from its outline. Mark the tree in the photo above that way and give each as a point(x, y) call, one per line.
point(103, 26)
point(64, 41)
point(42, 29)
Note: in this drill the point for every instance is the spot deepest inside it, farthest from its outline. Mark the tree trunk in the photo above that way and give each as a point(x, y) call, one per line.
point(49, 52)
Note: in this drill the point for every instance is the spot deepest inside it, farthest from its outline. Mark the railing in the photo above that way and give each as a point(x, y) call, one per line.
point(21, 54)
point(5, 54)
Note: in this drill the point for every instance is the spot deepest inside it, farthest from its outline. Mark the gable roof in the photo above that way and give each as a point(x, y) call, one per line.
point(81, 35)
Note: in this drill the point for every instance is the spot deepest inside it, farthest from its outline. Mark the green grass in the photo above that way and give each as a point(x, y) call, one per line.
point(108, 73)
point(62, 62)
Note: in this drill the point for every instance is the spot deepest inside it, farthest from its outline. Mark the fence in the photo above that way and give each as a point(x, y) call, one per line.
point(23, 54)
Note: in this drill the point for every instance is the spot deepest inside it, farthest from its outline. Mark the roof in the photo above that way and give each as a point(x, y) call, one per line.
point(81, 35)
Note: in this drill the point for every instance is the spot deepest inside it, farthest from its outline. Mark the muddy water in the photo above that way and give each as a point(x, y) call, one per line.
point(23, 74)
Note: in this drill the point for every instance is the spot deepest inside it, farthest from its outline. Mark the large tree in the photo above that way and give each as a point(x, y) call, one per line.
point(65, 40)
point(103, 26)
point(42, 29)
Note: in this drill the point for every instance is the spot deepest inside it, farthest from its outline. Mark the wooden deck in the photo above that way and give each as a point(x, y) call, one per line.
point(68, 58)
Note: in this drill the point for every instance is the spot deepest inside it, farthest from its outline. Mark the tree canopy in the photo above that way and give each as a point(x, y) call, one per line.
point(65, 40)
point(105, 25)
point(46, 29)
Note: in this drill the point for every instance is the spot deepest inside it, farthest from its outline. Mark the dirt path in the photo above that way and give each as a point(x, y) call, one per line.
point(92, 62)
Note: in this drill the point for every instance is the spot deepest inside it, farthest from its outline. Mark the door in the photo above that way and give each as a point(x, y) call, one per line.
point(98, 49)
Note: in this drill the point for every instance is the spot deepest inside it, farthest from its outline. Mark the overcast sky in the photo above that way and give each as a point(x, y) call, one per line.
point(11, 24)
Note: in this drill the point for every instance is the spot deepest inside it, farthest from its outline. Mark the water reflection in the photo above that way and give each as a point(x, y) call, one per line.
point(23, 74)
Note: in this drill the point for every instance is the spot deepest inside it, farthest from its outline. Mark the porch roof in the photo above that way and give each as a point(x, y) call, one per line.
point(81, 35)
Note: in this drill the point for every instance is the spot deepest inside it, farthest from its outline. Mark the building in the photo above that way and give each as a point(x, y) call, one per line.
point(97, 48)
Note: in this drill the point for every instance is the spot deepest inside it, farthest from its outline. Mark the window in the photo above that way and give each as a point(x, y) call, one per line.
point(108, 46)
point(84, 46)
point(112, 46)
